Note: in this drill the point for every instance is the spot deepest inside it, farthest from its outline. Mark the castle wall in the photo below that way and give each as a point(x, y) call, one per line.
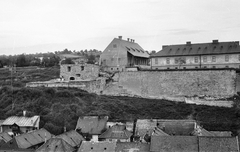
point(171, 84)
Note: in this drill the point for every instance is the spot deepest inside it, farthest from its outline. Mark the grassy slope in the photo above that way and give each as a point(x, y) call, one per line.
point(62, 106)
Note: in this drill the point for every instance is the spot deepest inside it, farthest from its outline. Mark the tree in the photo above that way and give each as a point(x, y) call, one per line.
point(21, 61)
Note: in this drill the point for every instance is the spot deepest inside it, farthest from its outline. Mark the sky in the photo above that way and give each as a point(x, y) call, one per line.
point(39, 26)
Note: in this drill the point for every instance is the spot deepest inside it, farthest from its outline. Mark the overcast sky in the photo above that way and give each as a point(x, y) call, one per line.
point(30, 26)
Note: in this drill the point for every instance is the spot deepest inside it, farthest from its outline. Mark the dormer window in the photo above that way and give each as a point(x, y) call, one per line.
point(128, 48)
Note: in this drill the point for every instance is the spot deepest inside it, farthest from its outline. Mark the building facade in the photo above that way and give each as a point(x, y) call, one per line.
point(120, 54)
point(204, 55)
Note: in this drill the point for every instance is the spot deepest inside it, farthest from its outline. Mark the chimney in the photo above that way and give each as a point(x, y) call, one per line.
point(164, 46)
point(24, 113)
point(215, 41)
point(133, 41)
point(119, 37)
point(188, 43)
point(128, 39)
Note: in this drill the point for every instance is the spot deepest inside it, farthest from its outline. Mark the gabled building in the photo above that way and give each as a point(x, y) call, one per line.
point(20, 124)
point(120, 54)
point(91, 126)
point(116, 133)
point(201, 55)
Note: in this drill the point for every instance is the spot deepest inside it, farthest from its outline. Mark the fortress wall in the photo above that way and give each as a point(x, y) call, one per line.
point(160, 84)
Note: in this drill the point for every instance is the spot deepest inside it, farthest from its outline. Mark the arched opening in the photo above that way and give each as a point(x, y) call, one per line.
point(71, 78)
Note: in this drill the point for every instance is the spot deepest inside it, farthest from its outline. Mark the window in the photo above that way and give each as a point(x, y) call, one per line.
point(184, 67)
point(227, 66)
point(168, 60)
point(204, 58)
point(214, 67)
point(176, 60)
point(78, 75)
point(71, 78)
point(227, 58)
point(156, 60)
point(205, 67)
point(114, 45)
point(176, 67)
point(196, 67)
point(111, 68)
point(82, 68)
point(213, 58)
point(196, 59)
point(69, 68)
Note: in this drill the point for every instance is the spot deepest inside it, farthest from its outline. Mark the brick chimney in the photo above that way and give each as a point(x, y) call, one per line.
point(133, 41)
point(188, 42)
point(119, 37)
point(215, 41)
point(128, 39)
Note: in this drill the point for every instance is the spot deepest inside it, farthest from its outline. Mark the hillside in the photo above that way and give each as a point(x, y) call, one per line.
point(63, 106)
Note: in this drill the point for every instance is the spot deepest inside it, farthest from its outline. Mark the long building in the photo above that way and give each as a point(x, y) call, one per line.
point(203, 55)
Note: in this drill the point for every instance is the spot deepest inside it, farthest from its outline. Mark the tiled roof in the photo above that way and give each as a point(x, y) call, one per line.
point(5, 136)
point(132, 147)
point(170, 127)
point(174, 143)
point(116, 132)
point(134, 48)
point(218, 144)
point(22, 121)
point(72, 137)
point(101, 146)
point(55, 145)
point(32, 138)
point(93, 125)
point(222, 133)
point(177, 127)
point(199, 49)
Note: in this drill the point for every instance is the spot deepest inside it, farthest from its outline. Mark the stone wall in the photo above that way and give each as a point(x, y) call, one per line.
point(174, 84)
point(93, 86)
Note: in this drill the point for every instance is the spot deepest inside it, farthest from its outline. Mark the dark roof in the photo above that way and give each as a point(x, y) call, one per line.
point(222, 133)
point(132, 147)
point(56, 145)
point(72, 137)
point(198, 49)
point(100, 146)
point(174, 143)
point(116, 132)
point(177, 127)
point(5, 136)
point(219, 144)
point(170, 127)
point(133, 48)
point(93, 125)
point(32, 138)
